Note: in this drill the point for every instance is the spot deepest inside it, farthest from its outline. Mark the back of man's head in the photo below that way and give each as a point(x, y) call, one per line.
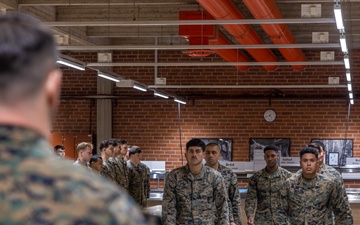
point(27, 54)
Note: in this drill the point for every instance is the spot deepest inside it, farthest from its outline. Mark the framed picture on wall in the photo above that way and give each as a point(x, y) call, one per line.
point(225, 145)
point(256, 144)
point(342, 146)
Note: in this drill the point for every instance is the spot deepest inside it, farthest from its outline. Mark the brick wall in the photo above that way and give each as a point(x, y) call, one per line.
point(153, 123)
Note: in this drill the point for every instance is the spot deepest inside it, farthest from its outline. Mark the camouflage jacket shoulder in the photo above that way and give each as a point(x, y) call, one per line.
point(39, 188)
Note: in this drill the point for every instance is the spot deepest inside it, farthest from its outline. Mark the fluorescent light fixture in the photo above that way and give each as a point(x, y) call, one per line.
point(351, 95)
point(338, 16)
point(108, 76)
point(352, 101)
point(343, 43)
point(156, 93)
point(348, 76)
point(180, 101)
point(71, 64)
point(349, 87)
point(139, 87)
point(131, 83)
point(347, 62)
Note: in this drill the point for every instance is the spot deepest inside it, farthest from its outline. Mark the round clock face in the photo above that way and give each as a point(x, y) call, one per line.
point(269, 115)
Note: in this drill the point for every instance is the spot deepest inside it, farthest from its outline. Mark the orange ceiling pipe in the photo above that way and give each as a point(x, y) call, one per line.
point(230, 55)
point(208, 35)
point(278, 33)
point(244, 34)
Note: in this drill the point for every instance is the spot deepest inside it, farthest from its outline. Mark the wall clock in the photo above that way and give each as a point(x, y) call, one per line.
point(270, 115)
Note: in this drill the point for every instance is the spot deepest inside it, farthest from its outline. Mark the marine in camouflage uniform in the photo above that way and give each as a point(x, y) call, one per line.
point(122, 172)
point(231, 185)
point(195, 199)
point(335, 176)
point(308, 196)
point(195, 194)
point(263, 200)
point(38, 188)
point(212, 157)
point(139, 178)
point(308, 201)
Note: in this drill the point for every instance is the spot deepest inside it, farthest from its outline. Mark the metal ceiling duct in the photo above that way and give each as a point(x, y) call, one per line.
point(230, 55)
point(244, 34)
point(278, 33)
point(208, 35)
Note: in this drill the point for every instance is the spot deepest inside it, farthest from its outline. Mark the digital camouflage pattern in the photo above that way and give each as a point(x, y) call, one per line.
point(232, 188)
point(199, 199)
point(38, 188)
point(122, 172)
point(139, 183)
point(108, 170)
point(264, 197)
point(333, 174)
point(308, 201)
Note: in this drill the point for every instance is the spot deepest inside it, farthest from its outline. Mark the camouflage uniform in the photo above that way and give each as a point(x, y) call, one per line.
point(264, 198)
point(139, 183)
point(123, 172)
point(333, 174)
point(231, 185)
point(108, 170)
point(308, 201)
point(199, 199)
point(38, 188)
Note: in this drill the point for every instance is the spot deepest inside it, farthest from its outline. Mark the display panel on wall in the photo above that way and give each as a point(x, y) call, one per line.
point(343, 146)
point(259, 144)
point(225, 145)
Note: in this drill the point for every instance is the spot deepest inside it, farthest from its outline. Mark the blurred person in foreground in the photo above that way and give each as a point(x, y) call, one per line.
point(36, 187)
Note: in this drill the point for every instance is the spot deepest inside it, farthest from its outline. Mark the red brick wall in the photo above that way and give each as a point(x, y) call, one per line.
point(153, 123)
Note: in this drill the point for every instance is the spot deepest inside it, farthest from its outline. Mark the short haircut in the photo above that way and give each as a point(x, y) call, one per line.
point(104, 144)
point(271, 147)
point(57, 147)
point(320, 144)
point(94, 159)
point(113, 142)
point(195, 142)
point(122, 141)
point(212, 144)
point(310, 150)
point(27, 54)
point(82, 146)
